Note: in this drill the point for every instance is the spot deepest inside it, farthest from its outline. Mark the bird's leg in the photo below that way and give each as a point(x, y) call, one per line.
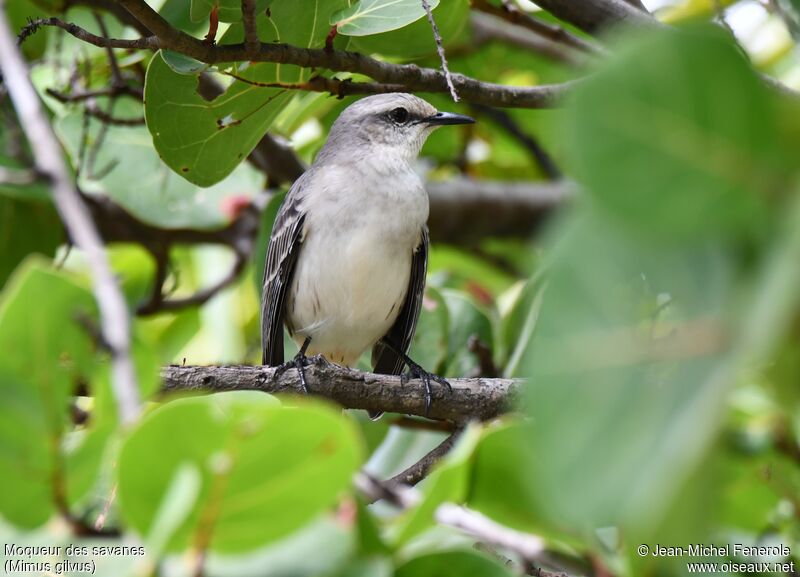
point(299, 362)
point(416, 371)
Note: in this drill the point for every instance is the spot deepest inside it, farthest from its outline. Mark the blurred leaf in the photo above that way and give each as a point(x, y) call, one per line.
point(452, 564)
point(466, 320)
point(368, 567)
point(376, 16)
point(430, 345)
point(19, 12)
point(628, 368)
point(36, 383)
point(699, 161)
point(266, 469)
point(416, 39)
point(26, 227)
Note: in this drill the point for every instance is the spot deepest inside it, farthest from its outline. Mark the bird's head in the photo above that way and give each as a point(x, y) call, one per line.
point(393, 124)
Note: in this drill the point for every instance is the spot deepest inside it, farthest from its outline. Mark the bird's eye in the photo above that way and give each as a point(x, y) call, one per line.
point(399, 115)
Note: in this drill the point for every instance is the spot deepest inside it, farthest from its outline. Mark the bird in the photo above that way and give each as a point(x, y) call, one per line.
point(347, 257)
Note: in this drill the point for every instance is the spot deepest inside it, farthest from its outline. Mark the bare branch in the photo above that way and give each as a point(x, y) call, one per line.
point(77, 219)
point(478, 398)
point(527, 546)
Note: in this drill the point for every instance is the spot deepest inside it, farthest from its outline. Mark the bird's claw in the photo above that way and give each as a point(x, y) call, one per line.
point(299, 362)
point(417, 372)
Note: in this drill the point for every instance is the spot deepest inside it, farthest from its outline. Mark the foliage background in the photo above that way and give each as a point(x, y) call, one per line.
point(656, 315)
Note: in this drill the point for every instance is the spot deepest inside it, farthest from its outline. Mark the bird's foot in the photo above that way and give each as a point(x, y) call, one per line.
point(299, 362)
point(415, 371)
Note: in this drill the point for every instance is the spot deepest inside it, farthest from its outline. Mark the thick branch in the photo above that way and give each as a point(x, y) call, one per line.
point(49, 159)
point(470, 398)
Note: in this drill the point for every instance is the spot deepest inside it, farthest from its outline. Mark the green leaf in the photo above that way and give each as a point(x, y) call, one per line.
point(128, 170)
point(416, 40)
point(183, 64)
point(429, 347)
point(628, 374)
point(466, 320)
point(203, 140)
point(35, 386)
point(266, 470)
point(376, 16)
point(452, 564)
point(672, 155)
point(26, 227)
point(18, 13)
point(229, 10)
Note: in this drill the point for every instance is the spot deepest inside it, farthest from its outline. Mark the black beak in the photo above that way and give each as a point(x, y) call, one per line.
point(442, 118)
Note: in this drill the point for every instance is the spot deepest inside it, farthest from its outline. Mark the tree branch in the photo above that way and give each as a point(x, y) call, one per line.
point(470, 399)
point(410, 76)
point(595, 16)
point(419, 470)
point(514, 15)
point(77, 219)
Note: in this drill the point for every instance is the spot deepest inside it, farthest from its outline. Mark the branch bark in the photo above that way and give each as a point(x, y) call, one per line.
point(114, 319)
point(470, 399)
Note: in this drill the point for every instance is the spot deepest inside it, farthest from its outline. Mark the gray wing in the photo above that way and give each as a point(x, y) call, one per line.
point(385, 360)
point(284, 246)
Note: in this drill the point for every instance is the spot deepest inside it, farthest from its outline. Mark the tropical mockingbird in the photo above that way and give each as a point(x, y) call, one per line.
point(347, 257)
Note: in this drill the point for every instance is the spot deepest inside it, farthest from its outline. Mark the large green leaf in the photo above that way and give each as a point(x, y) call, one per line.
point(681, 158)
point(628, 369)
point(204, 140)
point(266, 469)
point(376, 16)
point(46, 350)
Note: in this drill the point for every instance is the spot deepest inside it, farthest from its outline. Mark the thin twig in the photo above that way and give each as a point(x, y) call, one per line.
point(440, 49)
point(50, 161)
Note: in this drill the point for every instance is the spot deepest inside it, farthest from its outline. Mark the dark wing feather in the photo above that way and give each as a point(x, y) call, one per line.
point(385, 360)
point(284, 246)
